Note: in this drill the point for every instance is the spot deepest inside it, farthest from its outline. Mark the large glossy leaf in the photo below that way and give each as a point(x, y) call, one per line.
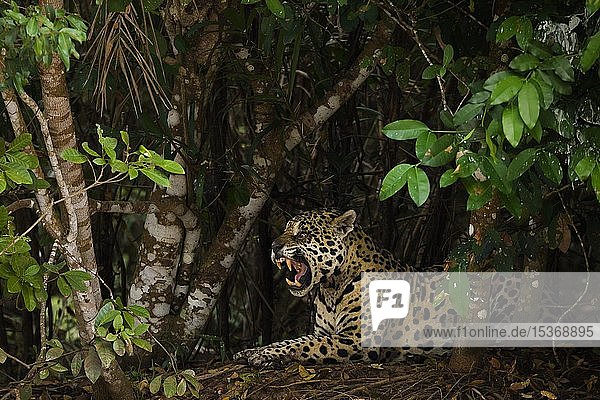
point(550, 165)
point(405, 129)
point(521, 163)
point(591, 52)
point(423, 144)
point(506, 89)
point(529, 104)
point(418, 185)
point(512, 125)
point(467, 113)
point(393, 181)
point(442, 152)
point(524, 62)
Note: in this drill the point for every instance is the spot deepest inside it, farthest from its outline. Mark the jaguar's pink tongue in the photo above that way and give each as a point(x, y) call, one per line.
point(301, 268)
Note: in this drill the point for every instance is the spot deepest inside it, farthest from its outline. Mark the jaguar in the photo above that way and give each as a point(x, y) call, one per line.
point(325, 251)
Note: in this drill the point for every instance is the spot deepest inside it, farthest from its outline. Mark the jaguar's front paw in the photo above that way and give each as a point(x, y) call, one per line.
point(259, 357)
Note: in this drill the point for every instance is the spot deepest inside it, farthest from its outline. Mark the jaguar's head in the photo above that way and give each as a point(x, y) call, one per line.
point(312, 247)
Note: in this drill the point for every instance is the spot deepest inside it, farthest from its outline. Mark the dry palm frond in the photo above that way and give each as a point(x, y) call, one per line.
point(120, 44)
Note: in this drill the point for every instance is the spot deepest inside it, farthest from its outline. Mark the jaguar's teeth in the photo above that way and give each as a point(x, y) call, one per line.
point(289, 263)
point(278, 263)
point(295, 283)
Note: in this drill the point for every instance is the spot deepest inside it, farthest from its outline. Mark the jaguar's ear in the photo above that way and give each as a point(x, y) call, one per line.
point(345, 222)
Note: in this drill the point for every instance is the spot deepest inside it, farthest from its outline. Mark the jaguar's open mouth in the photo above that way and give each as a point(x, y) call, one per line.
point(298, 274)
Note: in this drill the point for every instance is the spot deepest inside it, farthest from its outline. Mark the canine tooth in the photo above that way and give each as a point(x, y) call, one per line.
point(289, 263)
point(278, 264)
point(295, 283)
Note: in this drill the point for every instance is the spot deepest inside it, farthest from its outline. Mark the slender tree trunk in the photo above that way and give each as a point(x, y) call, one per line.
point(79, 244)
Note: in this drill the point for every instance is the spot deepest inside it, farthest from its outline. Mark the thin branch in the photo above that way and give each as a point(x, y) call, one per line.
point(62, 185)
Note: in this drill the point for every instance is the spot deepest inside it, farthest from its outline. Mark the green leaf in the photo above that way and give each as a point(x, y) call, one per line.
point(74, 156)
point(119, 347)
point(507, 29)
point(596, 182)
point(155, 383)
point(142, 344)
point(13, 285)
point(156, 176)
point(118, 322)
point(3, 356)
point(393, 181)
point(529, 104)
point(118, 166)
point(32, 27)
point(276, 8)
point(152, 5)
point(129, 319)
point(405, 129)
point(536, 132)
point(431, 71)
point(76, 364)
point(480, 97)
point(118, 5)
point(495, 170)
point(102, 318)
point(448, 178)
point(561, 67)
point(493, 80)
point(545, 91)
point(524, 32)
point(524, 62)
point(442, 152)
point(521, 163)
point(77, 279)
point(467, 112)
point(171, 166)
point(28, 297)
point(139, 311)
point(89, 150)
point(54, 353)
point(418, 185)
point(18, 174)
point(424, 143)
point(63, 286)
point(105, 353)
point(550, 165)
point(2, 182)
point(125, 137)
point(506, 89)
point(64, 49)
point(591, 52)
point(585, 167)
point(170, 386)
point(592, 6)
point(45, 373)
point(21, 141)
point(32, 270)
point(92, 365)
point(181, 387)
point(132, 172)
point(141, 329)
point(512, 125)
point(555, 82)
point(448, 54)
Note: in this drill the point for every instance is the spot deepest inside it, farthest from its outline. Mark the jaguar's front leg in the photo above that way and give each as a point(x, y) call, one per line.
point(306, 349)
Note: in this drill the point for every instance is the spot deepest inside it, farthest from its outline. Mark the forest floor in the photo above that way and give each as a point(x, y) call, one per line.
point(503, 375)
point(516, 374)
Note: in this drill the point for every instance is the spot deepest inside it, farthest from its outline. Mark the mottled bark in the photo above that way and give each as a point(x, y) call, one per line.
point(79, 244)
point(267, 162)
point(170, 238)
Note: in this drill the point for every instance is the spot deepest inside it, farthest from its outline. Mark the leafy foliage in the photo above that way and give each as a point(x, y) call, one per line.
point(504, 129)
point(142, 160)
point(33, 34)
